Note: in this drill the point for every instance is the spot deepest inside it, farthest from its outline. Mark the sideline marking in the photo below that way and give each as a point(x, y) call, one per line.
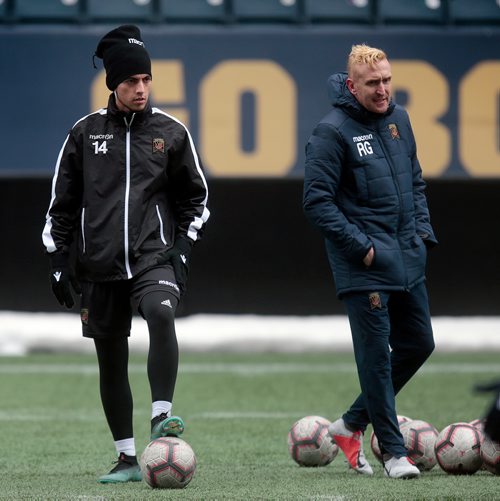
point(245, 369)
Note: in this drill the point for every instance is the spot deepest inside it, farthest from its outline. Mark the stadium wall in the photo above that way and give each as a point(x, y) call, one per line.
point(251, 95)
point(260, 255)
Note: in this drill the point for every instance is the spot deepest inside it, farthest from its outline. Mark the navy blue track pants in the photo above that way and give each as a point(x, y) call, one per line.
point(392, 338)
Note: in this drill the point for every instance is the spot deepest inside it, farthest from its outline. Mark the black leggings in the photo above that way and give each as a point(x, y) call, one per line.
point(163, 360)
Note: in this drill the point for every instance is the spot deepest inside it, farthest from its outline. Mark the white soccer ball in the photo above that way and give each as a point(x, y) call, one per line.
point(374, 440)
point(458, 449)
point(309, 443)
point(420, 437)
point(477, 423)
point(490, 454)
point(168, 462)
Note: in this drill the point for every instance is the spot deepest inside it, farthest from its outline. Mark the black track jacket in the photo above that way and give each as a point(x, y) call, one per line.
point(127, 185)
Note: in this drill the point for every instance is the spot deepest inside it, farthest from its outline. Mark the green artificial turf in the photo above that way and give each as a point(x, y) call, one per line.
point(238, 409)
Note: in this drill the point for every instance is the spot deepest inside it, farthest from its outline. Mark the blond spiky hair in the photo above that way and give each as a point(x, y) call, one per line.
point(364, 54)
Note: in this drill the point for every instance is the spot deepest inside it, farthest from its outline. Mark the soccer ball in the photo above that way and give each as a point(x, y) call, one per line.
point(374, 440)
point(490, 454)
point(168, 462)
point(420, 438)
point(477, 423)
point(309, 443)
point(458, 449)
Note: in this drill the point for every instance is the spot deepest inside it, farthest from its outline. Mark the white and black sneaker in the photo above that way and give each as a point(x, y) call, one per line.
point(401, 467)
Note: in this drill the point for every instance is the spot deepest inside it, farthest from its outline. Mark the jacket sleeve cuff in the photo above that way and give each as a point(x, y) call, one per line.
point(58, 260)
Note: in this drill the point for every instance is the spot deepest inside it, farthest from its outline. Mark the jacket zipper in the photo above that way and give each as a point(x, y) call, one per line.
point(127, 194)
point(400, 198)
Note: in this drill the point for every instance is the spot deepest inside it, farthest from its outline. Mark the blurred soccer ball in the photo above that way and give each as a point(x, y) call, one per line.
point(458, 449)
point(168, 462)
point(374, 441)
point(309, 443)
point(477, 423)
point(490, 454)
point(420, 438)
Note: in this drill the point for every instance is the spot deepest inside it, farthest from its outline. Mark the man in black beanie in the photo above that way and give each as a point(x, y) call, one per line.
point(129, 200)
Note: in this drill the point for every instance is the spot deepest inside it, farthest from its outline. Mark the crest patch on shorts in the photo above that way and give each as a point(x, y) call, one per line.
point(84, 316)
point(375, 301)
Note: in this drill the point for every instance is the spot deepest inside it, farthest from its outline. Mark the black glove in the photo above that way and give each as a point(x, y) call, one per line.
point(492, 418)
point(179, 256)
point(62, 279)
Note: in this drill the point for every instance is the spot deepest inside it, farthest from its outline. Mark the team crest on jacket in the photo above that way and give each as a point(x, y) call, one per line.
point(158, 145)
point(393, 129)
point(375, 301)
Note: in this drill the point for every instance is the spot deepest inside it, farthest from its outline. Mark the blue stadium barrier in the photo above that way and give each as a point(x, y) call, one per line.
point(266, 10)
point(367, 12)
point(474, 11)
point(120, 10)
point(411, 11)
point(338, 11)
point(193, 11)
point(46, 10)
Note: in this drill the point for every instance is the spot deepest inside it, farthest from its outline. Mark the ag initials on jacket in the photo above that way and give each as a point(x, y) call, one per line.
point(363, 144)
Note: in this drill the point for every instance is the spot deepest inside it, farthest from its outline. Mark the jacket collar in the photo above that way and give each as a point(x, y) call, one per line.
point(114, 112)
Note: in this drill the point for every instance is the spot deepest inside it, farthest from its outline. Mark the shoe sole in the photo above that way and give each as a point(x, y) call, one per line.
point(112, 481)
point(405, 476)
point(119, 479)
point(360, 471)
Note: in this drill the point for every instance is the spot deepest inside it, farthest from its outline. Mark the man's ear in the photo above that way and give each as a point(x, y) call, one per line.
point(350, 86)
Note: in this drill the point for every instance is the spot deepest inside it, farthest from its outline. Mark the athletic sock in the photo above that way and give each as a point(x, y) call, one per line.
point(127, 446)
point(161, 407)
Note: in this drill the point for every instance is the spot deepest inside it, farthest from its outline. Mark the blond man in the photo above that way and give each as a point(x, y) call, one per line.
point(363, 188)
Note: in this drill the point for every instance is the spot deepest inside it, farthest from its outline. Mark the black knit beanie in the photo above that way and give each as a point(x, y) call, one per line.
point(123, 54)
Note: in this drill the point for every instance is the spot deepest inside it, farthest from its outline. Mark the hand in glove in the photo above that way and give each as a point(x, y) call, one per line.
point(62, 279)
point(179, 256)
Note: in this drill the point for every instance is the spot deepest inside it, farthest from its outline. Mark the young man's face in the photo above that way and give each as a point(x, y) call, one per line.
point(133, 94)
point(371, 85)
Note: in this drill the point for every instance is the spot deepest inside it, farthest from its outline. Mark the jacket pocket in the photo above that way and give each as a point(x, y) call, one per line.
point(386, 253)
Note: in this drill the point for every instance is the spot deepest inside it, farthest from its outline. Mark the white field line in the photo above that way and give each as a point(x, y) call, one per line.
point(22, 333)
point(242, 369)
point(97, 416)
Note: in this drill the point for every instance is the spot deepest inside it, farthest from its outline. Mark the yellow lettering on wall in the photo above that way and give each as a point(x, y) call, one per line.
point(99, 93)
point(167, 90)
point(479, 133)
point(221, 119)
point(428, 99)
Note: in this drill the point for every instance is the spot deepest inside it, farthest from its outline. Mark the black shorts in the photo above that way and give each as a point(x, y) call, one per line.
point(107, 307)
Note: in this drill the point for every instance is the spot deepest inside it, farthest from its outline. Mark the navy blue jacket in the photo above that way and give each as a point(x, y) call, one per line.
point(363, 187)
